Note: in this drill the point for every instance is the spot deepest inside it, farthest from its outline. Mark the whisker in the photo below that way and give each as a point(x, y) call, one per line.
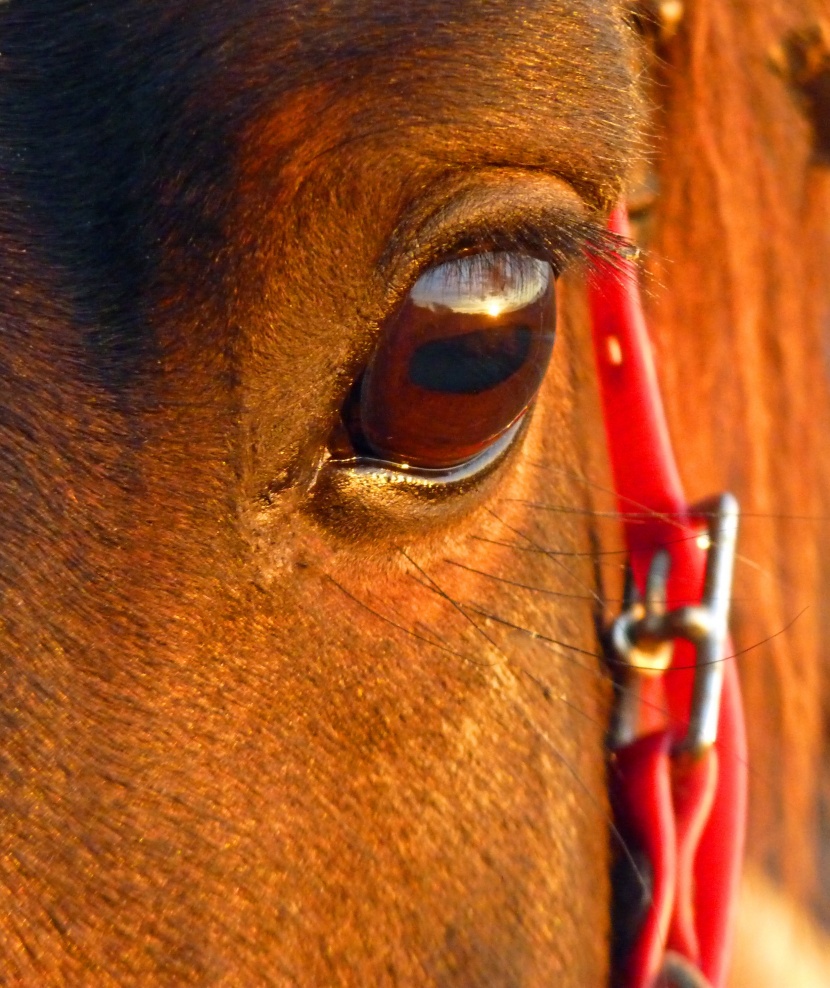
point(560, 509)
point(407, 631)
point(523, 586)
point(671, 518)
point(590, 512)
point(760, 569)
point(546, 691)
point(647, 515)
point(528, 548)
point(741, 651)
point(456, 606)
point(599, 671)
point(595, 803)
point(546, 688)
point(566, 650)
point(559, 594)
point(595, 596)
point(569, 649)
point(579, 555)
point(535, 635)
point(519, 671)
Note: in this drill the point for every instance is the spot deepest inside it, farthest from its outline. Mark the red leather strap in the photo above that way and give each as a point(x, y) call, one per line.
point(687, 814)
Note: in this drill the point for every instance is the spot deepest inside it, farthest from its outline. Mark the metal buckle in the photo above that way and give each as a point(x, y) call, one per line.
point(679, 973)
point(642, 637)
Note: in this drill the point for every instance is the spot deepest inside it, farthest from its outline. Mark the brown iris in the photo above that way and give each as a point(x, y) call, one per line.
point(459, 363)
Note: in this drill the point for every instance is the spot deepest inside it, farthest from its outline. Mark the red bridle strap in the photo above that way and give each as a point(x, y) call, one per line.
point(683, 809)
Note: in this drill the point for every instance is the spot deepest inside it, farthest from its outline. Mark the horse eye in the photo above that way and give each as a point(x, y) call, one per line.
point(458, 364)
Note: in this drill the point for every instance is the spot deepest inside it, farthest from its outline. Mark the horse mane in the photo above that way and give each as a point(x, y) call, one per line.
point(739, 303)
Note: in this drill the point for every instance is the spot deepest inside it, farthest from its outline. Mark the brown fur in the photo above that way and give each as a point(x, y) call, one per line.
point(245, 739)
point(266, 725)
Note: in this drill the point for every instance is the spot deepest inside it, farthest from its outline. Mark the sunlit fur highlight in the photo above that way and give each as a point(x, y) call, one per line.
point(244, 738)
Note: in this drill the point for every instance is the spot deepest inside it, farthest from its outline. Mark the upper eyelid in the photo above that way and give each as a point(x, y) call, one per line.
point(525, 238)
point(501, 210)
point(587, 240)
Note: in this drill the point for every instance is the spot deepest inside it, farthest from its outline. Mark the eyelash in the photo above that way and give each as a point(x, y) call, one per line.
point(586, 241)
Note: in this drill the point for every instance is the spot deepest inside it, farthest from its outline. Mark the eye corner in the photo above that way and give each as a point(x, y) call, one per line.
point(369, 500)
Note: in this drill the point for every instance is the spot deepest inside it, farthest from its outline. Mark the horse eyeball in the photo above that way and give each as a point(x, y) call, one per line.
point(459, 363)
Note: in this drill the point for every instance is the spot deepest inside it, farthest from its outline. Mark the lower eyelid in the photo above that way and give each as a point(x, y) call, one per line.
point(421, 477)
point(373, 501)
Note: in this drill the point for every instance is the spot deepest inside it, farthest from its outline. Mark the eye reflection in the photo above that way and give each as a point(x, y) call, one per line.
point(459, 363)
point(483, 284)
point(472, 362)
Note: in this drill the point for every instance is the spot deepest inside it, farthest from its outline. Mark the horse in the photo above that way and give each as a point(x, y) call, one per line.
point(297, 690)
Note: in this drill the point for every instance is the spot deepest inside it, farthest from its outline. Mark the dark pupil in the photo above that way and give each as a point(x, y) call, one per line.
point(472, 363)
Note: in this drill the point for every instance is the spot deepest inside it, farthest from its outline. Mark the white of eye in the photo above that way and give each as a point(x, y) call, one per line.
point(483, 284)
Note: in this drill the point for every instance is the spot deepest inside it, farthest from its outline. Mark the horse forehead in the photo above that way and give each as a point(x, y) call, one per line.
point(263, 41)
point(546, 85)
point(526, 49)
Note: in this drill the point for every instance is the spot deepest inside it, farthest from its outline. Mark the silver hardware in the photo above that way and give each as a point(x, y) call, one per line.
point(677, 972)
point(642, 637)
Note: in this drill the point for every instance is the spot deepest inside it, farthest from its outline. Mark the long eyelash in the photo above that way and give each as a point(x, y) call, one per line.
point(596, 247)
point(586, 241)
